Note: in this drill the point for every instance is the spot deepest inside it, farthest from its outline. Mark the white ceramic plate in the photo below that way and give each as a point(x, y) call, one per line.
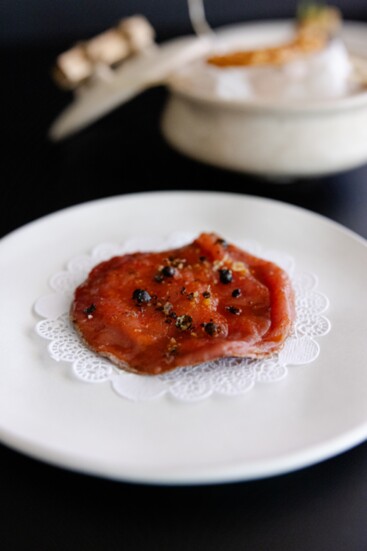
point(318, 411)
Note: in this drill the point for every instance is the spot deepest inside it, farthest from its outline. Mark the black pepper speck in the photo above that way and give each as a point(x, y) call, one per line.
point(90, 309)
point(168, 271)
point(141, 296)
point(225, 275)
point(184, 322)
point(211, 328)
point(234, 310)
point(222, 242)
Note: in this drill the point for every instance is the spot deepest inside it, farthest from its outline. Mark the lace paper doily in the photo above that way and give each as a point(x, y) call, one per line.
point(228, 376)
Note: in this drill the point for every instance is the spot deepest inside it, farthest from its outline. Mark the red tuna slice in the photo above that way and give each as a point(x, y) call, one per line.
point(152, 312)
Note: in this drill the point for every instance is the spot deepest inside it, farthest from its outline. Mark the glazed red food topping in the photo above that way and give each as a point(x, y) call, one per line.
point(152, 312)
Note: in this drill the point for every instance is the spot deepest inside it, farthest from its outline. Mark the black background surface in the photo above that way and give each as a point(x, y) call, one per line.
point(323, 507)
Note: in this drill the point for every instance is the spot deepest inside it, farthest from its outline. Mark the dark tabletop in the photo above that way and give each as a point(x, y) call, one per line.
point(323, 507)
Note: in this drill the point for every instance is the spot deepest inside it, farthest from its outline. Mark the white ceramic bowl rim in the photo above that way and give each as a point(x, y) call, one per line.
point(355, 101)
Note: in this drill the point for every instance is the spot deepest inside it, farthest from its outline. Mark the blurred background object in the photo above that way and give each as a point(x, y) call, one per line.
point(34, 33)
point(132, 35)
point(40, 21)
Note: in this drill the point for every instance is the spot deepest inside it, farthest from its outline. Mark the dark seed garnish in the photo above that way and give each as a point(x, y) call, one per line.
point(184, 322)
point(236, 293)
point(173, 315)
point(168, 271)
point(225, 275)
point(141, 296)
point(173, 351)
point(206, 294)
point(90, 309)
point(158, 278)
point(234, 310)
point(222, 242)
point(202, 258)
point(211, 328)
point(183, 290)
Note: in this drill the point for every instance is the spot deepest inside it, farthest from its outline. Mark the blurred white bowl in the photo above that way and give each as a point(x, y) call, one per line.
point(268, 137)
